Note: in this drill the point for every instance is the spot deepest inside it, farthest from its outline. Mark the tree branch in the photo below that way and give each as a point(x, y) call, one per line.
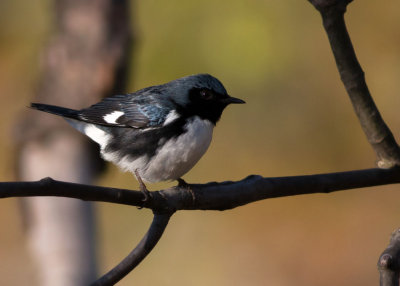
point(211, 196)
point(157, 227)
point(352, 75)
point(389, 262)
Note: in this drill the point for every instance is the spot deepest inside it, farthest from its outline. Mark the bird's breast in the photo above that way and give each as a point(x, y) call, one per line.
point(176, 156)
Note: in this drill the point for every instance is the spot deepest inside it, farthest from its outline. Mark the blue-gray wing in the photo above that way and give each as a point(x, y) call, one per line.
point(136, 111)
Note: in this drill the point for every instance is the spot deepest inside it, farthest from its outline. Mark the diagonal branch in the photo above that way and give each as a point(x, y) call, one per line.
point(145, 246)
point(352, 75)
point(389, 262)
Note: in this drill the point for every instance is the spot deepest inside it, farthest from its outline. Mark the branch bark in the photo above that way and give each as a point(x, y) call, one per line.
point(353, 78)
point(389, 262)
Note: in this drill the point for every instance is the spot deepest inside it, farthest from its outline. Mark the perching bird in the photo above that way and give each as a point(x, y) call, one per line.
point(158, 133)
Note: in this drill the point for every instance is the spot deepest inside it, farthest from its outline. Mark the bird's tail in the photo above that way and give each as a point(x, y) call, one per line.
point(57, 110)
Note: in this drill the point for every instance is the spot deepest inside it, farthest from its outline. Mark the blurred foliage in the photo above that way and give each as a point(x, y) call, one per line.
point(297, 120)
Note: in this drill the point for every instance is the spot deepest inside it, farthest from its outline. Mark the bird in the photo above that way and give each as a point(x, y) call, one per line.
point(158, 133)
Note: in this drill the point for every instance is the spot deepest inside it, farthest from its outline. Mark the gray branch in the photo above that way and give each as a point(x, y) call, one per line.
point(378, 133)
point(211, 196)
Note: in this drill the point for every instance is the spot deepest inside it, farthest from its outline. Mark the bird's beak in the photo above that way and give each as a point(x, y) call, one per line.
point(229, 100)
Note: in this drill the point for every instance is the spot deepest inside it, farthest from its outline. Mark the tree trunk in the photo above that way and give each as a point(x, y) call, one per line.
point(85, 59)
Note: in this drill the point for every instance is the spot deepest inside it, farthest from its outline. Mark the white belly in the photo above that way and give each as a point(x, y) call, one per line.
point(171, 161)
point(178, 155)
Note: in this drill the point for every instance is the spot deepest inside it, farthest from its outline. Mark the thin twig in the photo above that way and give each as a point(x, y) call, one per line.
point(389, 262)
point(352, 75)
point(157, 227)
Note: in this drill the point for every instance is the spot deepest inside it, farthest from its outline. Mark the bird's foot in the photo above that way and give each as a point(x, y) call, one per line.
point(143, 188)
point(145, 192)
point(182, 183)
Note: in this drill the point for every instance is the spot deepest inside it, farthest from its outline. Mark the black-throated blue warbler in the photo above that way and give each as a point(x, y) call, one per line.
point(158, 133)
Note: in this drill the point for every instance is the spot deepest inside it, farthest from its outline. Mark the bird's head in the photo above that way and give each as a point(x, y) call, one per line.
point(202, 95)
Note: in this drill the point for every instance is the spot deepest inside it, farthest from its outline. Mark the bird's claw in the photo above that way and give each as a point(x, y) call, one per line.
point(146, 194)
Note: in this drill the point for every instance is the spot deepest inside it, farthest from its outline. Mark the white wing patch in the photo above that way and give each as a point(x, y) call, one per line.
point(172, 115)
point(113, 117)
point(92, 131)
point(97, 135)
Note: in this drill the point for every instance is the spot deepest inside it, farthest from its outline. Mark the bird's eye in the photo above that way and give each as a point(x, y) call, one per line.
point(205, 94)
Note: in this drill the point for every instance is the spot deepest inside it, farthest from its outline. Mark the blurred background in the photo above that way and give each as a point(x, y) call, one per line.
point(297, 120)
